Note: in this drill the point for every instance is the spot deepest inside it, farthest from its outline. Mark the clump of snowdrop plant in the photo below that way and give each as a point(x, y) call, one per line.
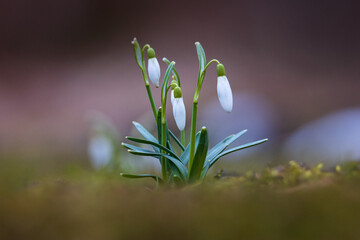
point(193, 160)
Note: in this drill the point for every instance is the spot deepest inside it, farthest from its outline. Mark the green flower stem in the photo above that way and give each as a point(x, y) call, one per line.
point(183, 137)
point(144, 48)
point(151, 99)
point(146, 81)
point(194, 112)
point(163, 142)
point(164, 90)
point(163, 134)
point(192, 134)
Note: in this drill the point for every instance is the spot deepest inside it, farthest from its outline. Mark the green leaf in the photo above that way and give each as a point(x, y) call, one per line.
point(145, 133)
point(219, 148)
point(166, 80)
point(158, 124)
point(155, 144)
point(176, 163)
point(200, 155)
point(168, 144)
point(177, 140)
point(186, 154)
point(135, 148)
point(138, 53)
point(201, 55)
point(247, 145)
point(174, 71)
point(156, 178)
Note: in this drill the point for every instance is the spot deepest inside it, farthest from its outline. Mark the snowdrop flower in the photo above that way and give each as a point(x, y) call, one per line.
point(100, 151)
point(224, 89)
point(173, 85)
point(172, 96)
point(179, 111)
point(153, 67)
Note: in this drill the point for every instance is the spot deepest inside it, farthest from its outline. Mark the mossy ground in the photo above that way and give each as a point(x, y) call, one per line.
point(285, 202)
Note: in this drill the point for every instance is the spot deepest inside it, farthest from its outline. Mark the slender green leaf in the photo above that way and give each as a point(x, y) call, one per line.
point(158, 123)
point(174, 71)
point(136, 148)
point(177, 163)
point(200, 155)
point(146, 134)
point(247, 145)
point(168, 144)
point(155, 144)
point(138, 53)
point(186, 154)
point(219, 148)
point(177, 140)
point(201, 55)
point(156, 178)
point(166, 80)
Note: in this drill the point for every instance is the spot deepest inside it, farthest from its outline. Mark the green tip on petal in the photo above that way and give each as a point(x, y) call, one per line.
point(151, 53)
point(220, 70)
point(177, 92)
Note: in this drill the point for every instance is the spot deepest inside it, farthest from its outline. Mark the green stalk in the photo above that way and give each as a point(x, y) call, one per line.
point(163, 142)
point(153, 106)
point(164, 90)
point(192, 134)
point(183, 137)
point(147, 85)
point(201, 77)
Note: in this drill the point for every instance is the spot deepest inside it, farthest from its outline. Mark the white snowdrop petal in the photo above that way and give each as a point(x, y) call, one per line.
point(154, 71)
point(224, 93)
point(172, 97)
point(179, 113)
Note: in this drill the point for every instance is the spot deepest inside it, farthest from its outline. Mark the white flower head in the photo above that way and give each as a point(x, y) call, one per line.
point(223, 89)
point(173, 85)
point(172, 96)
point(179, 111)
point(153, 67)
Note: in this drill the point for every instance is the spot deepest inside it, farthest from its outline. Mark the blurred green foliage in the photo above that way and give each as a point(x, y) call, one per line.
point(70, 201)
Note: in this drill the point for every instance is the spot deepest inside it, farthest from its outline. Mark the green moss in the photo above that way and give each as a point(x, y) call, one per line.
point(285, 202)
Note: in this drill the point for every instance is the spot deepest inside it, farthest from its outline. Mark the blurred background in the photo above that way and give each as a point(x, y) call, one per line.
point(293, 67)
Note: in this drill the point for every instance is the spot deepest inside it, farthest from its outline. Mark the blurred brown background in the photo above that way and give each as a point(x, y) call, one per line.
point(60, 59)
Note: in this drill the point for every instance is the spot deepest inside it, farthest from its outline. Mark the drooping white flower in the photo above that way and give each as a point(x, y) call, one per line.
point(223, 89)
point(179, 111)
point(100, 151)
point(172, 96)
point(153, 67)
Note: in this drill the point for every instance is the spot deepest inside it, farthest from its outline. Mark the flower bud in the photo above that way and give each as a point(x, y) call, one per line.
point(153, 67)
point(223, 89)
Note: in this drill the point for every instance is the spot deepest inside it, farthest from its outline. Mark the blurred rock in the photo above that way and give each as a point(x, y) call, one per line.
point(331, 139)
